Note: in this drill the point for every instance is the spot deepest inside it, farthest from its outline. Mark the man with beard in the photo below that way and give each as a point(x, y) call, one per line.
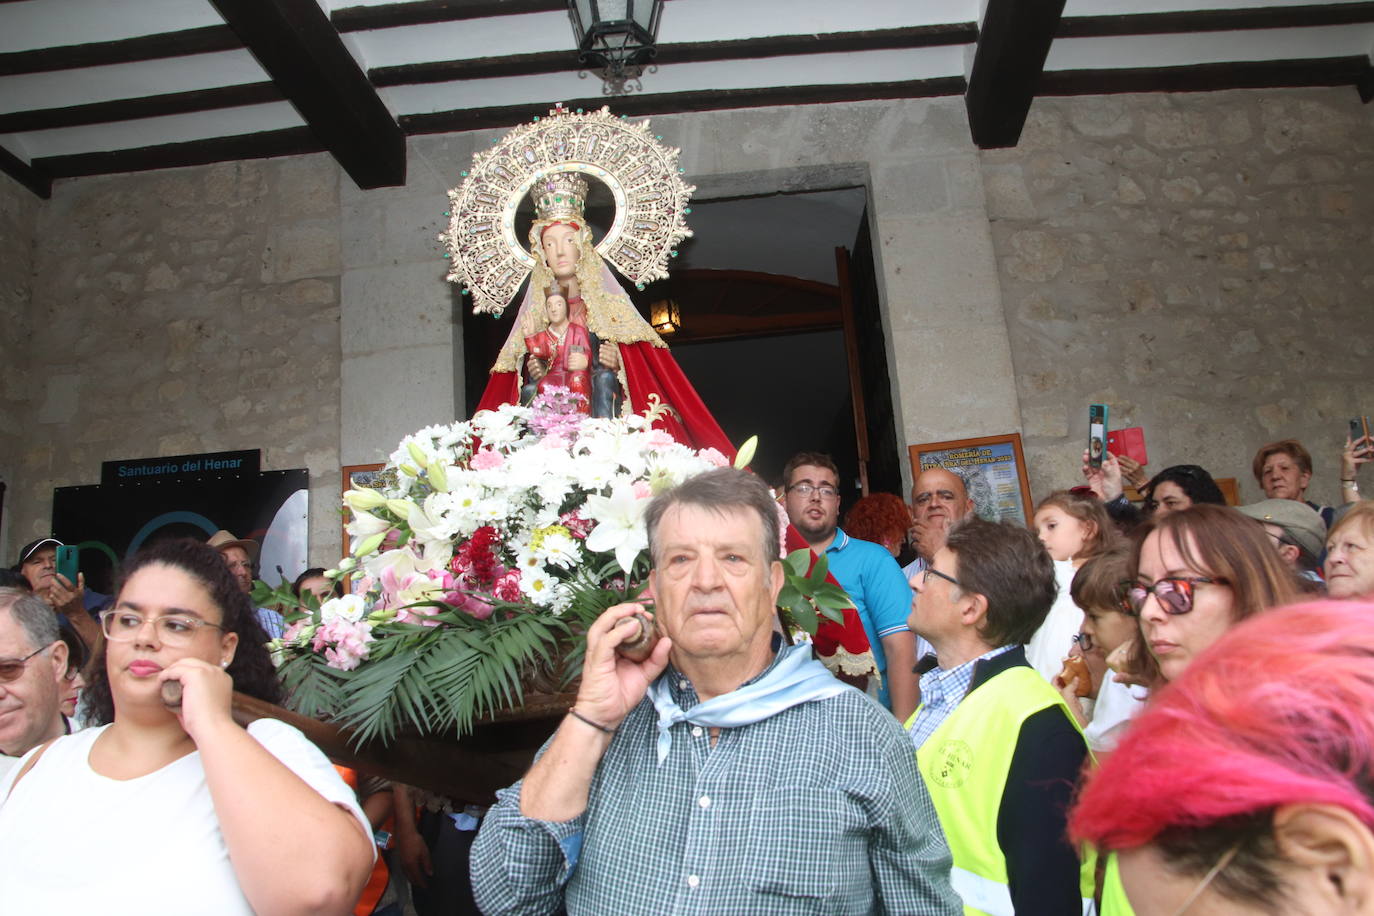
point(865, 570)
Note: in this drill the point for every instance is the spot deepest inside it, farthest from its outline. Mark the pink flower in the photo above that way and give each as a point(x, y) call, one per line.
point(345, 644)
point(487, 460)
point(658, 438)
point(714, 456)
point(642, 490)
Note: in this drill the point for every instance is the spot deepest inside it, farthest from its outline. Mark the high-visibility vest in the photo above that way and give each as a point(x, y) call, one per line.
point(1114, 902)
point(377, 881)
point(965, 764)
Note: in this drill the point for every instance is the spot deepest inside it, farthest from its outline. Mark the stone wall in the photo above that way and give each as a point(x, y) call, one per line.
point(18, 221)
point(1200, 262)
point(183, 311)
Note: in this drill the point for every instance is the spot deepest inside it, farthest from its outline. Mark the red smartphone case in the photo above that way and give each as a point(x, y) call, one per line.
point(1129, 442)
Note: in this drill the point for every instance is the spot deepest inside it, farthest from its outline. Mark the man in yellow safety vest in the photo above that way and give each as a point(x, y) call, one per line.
point(995, 744)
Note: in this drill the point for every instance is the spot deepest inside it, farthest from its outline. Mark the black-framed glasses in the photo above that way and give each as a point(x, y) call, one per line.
point(1084, 641)
point(804, 490)
point(12, 668)
point(1174, 593)
point(932, 571)
point(172, 629)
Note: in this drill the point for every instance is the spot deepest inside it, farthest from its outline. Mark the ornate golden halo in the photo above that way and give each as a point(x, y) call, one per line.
point(491, 261)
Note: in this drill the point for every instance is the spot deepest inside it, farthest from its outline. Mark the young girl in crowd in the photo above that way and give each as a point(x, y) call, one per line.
point(1099, 589)
point(1073, 526)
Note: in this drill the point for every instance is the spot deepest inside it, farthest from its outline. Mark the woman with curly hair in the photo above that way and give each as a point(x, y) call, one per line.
point(881, 518)
point(170, 806)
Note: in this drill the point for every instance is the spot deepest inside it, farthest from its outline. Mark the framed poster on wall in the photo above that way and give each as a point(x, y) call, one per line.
point(992, 468)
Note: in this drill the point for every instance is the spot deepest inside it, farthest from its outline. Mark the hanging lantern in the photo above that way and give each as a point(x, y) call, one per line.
point(616, 38)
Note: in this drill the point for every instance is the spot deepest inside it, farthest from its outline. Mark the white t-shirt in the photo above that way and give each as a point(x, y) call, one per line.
point(1052, 642)
point(1116, 705)
point(72, 840)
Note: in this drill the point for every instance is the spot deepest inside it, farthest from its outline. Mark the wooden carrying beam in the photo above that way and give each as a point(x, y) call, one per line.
point(496, 755)
point(295, 43)
point(35, 179)
point(1013, 43)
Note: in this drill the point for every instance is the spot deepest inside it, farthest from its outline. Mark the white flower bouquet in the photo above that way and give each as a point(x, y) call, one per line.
point(483, 554)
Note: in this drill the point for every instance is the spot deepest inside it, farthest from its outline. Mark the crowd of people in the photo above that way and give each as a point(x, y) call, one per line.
point(1121, 706)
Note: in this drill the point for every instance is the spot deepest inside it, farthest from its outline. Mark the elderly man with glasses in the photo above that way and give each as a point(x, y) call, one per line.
point(865, 570)
point(996, 745)
point(33, 675)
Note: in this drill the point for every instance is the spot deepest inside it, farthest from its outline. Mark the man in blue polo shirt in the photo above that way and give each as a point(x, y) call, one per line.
point(865, 570)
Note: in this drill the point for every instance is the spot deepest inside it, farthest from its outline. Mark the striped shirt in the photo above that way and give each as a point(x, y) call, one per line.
point(816, 810)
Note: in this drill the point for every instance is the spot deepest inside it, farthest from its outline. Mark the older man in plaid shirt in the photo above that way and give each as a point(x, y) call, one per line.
point(726, 773)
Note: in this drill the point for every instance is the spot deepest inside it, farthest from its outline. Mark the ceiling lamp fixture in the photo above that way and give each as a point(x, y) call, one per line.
point(665, 317)
point(616, 39)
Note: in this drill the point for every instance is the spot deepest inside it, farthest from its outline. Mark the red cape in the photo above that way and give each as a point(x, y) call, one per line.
point(651, 371)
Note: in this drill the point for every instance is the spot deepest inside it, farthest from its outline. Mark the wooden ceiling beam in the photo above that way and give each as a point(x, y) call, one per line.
point(1234, 20)
point(1266, 74)
point(292, 141)
point(422, 12)
point(295, 43)
point(1013, 42)
point(32, 177)
point(926, 36)
point(127, 50)
point(152, 106)
point(441, 122)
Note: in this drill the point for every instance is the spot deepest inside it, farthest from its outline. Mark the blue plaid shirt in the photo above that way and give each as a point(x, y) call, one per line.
point(941, 691)
point(818, 809)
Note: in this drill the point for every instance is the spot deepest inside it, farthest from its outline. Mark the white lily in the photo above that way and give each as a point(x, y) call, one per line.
point(619, 525)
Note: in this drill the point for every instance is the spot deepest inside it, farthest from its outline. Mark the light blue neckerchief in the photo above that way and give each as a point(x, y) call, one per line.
point(796, 678)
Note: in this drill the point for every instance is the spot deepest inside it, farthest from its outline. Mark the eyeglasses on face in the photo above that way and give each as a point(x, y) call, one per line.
point(1174, 593)
point(804, 490)
point(12, 668)
point(1084, 641)
point(172, 629)
point(932, 571)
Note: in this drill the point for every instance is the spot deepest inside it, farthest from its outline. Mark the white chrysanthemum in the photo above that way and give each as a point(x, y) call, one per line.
point(562, 599)
point(538, 585)
point(560, 550)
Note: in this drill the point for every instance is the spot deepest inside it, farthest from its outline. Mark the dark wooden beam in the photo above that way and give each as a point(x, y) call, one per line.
point(295, 43)
point(683, 53)
point(293, 141)
point(394, 15)
point(1366, 84)
point(441, 122)
point(34, 178)
point(151, 106)
point(1268, 74)
point(1266, 17)
point(127, 50)
point(1013, 42)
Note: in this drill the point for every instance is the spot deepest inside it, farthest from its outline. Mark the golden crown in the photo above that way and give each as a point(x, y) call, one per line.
point(562, 195)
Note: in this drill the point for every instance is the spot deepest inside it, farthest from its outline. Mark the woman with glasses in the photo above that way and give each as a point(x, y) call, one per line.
point(1248, 786)
point(1199, 572)
point(170, 806)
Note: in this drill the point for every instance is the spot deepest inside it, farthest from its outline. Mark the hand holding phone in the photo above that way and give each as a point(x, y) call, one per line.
point(67, 563)
point(1097, 434)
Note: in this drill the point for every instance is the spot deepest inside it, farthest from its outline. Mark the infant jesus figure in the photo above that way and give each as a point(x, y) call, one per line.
point(558, 355)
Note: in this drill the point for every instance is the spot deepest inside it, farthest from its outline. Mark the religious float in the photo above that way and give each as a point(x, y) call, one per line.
point(489, 545)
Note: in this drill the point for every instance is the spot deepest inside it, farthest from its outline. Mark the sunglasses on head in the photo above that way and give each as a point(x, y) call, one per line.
point(1174, 593)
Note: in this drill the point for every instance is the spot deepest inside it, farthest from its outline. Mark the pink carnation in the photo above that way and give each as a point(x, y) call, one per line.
point(642, 490)
point(487, 460)
point(657, 438)
point(345, 644)
point(715, 457)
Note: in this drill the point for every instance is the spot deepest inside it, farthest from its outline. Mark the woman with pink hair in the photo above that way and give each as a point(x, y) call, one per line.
point(1247, 786)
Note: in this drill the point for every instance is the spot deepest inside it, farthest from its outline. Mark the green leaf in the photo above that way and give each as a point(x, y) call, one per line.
point(798, 561)
point(805, 616)
point(790, 596)
point(818, 572)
